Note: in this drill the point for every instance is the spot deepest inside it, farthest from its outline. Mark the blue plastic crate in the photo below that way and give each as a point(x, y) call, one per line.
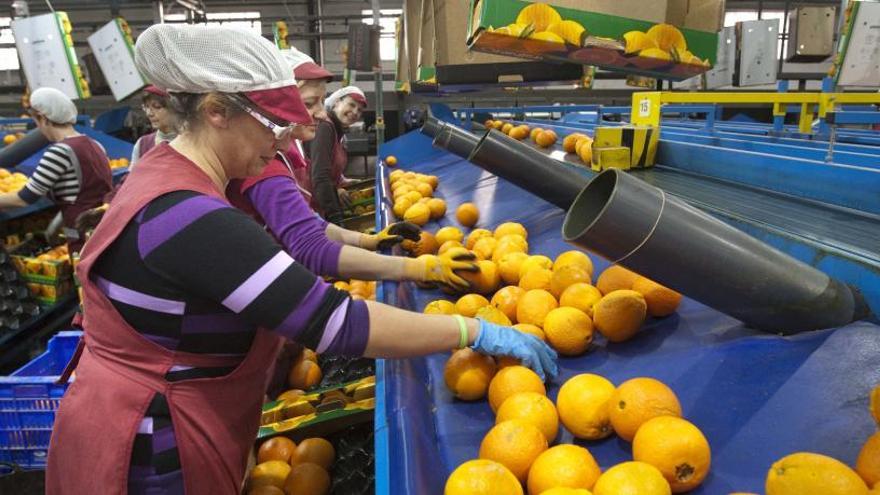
point(28, 401)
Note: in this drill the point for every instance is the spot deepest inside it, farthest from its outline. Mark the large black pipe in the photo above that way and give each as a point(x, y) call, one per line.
point(432, 126)
point(527, 168)
point(22, 149)
point(456, 140)
point(637, 225)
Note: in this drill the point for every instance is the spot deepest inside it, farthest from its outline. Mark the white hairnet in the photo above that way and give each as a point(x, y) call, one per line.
point(295, 58)
point(199, 59)
point(54, 104)
point(353, 91)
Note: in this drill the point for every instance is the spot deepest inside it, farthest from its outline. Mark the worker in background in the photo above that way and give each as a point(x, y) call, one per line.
point(276, 201)
point(188, 300)
point(328, 156)
point(74, 171)
point(155, 105)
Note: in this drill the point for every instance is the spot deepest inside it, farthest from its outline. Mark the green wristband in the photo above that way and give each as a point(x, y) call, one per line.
point(462, 328)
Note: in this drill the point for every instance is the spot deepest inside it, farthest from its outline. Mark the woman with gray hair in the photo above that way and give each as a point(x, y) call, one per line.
point(187, 300)
point(74, 171)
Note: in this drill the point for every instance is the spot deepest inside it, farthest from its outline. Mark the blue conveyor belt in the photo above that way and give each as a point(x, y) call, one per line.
point(757, 397)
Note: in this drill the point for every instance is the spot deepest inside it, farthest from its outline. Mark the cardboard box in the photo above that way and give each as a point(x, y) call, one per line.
point(600, 42)
point(640, 140)
point(427, 48)
point(457, 64)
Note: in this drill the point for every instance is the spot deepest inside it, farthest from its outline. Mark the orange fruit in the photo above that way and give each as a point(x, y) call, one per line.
point(414, 196)
point(516, 241)
point(568, 466)
point(509, 266)
point(448, 234)
point(569, 331)
point(510, 228)
point(506, 128)
point(875, 404)
point(315, 450)
point(269, 473)
point(534, 262)
point(637, 478)
point(677, 448)
point(467, 214)
point(537, 278)
point(439, 307)
point(291, 395)
point(583, 406)
point(489, 123)
point(565, 276)
point(468, 304)
point(304, 375)
point(400, 207)
point(506, 299)
point(446, 246)
point(513, 380)
point(531, 330)
point(546, 139)
point(502, 362)
point(484, 247)
point(467, 374)
point(497, 124)
point(308, 478)
point(515, 444)
point(619, 314)
point(482, 477)
point(475, 236)
point(342, 285)
point(615, 277)
point(574, 257)
point(266, 490)
point(585, 151)
point(534, 305)
point(437, 207)
point(391, 160)
point(533, 135)
point(493, 315)
point(562, 490)
point(502, 249)
point(808, 473)
point(568, 144)
point(309, 354)
point(580, 295)
point(426, 191)
point(418, 214)
point(520, 132)
point(484, 281)
point(276, 449)
point(638, 400)
point(868, 462)
point(661, 300)
point(533, 408)
point(433, 180)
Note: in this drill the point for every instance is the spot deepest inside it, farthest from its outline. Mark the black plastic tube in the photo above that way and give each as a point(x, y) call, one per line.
point(456, 140)
point(432, 126)
point(527, 168)
point(630, 222)
point(22, 149)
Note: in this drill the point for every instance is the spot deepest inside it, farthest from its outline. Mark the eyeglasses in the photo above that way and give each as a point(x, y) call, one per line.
point(281, 132)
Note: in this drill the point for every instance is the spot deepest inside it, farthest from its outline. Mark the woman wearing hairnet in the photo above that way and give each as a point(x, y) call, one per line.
point(328, 155)
point(155, 104)
point(74, 171)
point(276, 200)
point(187, 300)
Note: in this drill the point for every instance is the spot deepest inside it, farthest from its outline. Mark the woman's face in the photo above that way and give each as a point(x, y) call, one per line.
point(245, 146)
point(312, 94)
point(160, 117)
point(348, 111)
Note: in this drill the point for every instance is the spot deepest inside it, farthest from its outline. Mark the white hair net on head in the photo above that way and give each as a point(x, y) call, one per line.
point(199, 59)
point(54, 104)
point(353, 91)
point(296, 58)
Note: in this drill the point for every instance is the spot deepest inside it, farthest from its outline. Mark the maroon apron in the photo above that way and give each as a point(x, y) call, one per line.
point(146, 143)
point(338, 162)
point(95, 181)
point(215, 419)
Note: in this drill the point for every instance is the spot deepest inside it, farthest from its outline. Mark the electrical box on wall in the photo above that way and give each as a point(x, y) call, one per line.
point(722, 73)
point(811, 34)
point(363, 47)
point(756, 61)
point(858, 59)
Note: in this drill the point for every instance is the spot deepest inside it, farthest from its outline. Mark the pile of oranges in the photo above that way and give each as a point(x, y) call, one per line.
point(544, 138)
point(11, 181)
point(359, 289)
point(413, 196)
point(118, 163)
point(12, 138)
point(286, 468)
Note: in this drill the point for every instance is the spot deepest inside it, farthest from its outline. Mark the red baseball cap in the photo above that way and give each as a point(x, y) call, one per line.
point(155, 90)
point(310, 71)
point(284, 103)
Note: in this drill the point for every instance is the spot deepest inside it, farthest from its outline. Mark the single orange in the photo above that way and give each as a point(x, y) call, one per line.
point(493, 315)
point(484, 281)
point(534, 305)
point(868, 462)
point(507, 228)
point(534, 408)
point(632, 478)
point(304, 375)
point(467, 214)
point(546, 139)
point(662, 301)
point(467, 374)
point(568, 144)
point(583, 406)
point(513, 380)
point(266, 490)
point(506, 128)
point(269, 473)
point(569, 331)
point(533, 135)
point(276, 449)
point(446, 246)
point(484, 247)
point(535, 262)
point(809, 473)
point(482, 477)
point(875, 404)
point(615, 278)
point(468, 304)
point(531, 330)
point(437, 207)
point(315, 450)
point(475, 236)
point(509, 266)
point(449, 234)
point(620, 314)
point(309, 479)
point(439, 307)
point(538, 278)
point(574, 257)
point(638, 400)
point(506, 300)
point(580, 295)
point(568, 466)
point(515, 444)
point(391, 160)
point(567, 275)
point(677, 448)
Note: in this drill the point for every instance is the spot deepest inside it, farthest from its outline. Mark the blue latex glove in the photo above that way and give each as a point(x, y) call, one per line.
point(505, 341)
